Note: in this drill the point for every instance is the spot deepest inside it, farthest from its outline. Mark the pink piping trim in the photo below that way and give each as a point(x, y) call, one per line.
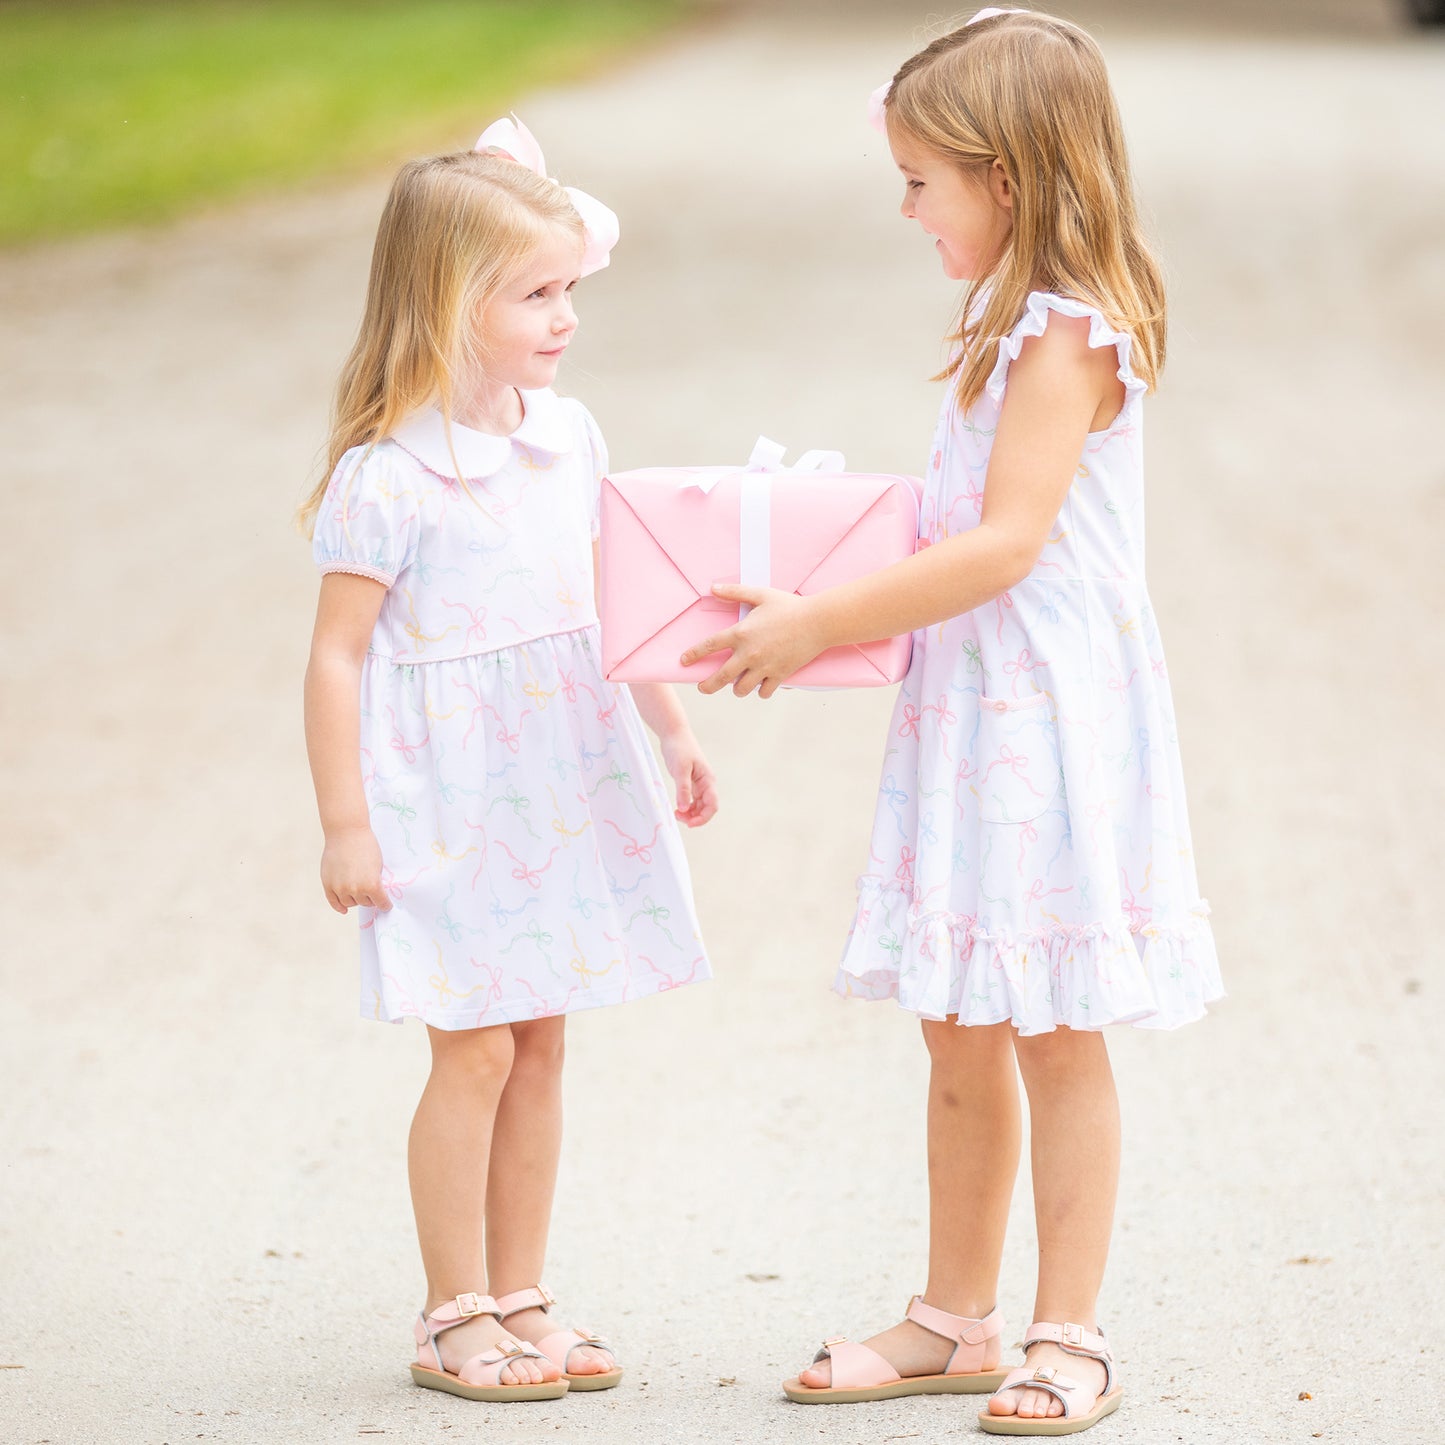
point(1012, 704)
point(359, 569)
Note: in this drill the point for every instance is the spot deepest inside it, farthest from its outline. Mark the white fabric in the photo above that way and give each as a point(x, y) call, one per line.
point(526, 830)
point(1031, 857)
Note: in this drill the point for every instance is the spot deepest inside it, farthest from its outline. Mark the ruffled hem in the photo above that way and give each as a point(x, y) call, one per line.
point(1154, 974)
point(1036, 318)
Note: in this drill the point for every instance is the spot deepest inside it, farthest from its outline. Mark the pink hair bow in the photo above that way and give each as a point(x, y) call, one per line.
point(509, 137)
point(877, 111)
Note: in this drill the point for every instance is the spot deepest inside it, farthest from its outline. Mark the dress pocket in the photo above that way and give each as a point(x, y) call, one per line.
point(1018, 758)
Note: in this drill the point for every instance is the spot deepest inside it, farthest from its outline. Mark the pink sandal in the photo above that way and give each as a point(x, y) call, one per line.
point(860, 1373)
point(558, 1347)
point(1082, 1407)
point(478, 1378)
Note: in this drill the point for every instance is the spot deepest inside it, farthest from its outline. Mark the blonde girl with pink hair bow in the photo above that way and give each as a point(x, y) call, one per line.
point(1031, 877)
point(490, 803)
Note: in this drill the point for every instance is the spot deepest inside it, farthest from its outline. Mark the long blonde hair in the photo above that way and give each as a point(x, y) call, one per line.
point(455, 230)
point(1032, 92)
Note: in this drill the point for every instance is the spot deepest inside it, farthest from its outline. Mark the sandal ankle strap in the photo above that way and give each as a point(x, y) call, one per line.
point(976, 1343)
point(1073, 1338)
point(958, 1328)
point(455, 1312)
point(535, 1297)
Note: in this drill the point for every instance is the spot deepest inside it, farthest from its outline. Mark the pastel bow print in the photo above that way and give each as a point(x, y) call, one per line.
point(877, 102)
point(509, 137)
point(658, 914)
point(1016, 763)
point(633, 847)
point(534, 933)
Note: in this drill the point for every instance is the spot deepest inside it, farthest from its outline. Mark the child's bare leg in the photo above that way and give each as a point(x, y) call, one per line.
point(447, 1159)
point(526, 1146)
point(973, 1157)
point(1074, 1132)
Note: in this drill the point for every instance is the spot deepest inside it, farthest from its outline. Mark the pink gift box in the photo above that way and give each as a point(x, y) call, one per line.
point(670, 533)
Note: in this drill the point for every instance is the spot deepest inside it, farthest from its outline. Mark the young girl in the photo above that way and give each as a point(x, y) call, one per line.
point(1031, 874)
point(489, 802)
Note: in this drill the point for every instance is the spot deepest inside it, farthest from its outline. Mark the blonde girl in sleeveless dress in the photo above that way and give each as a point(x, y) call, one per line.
point(1030, 878)
point(490, 803)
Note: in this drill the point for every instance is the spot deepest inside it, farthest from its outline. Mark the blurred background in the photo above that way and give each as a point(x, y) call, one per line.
point(124, 112)
point(204, 1224)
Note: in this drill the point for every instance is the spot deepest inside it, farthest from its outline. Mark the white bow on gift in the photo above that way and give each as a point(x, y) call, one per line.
point(509, 137)
point(767, 456)
point(755, 511)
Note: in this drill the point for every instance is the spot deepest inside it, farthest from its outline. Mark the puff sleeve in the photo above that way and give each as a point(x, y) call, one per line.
point(368, 522)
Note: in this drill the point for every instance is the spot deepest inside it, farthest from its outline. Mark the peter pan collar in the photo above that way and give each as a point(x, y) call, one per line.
point(544, 428)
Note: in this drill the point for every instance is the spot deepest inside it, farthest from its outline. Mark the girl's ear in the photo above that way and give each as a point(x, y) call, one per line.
point(999, 187)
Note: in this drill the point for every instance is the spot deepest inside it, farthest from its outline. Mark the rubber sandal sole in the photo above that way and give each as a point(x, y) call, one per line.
point(1049, 1424)
point(607, 1380)
point(985, 1382)
point(492, 1394)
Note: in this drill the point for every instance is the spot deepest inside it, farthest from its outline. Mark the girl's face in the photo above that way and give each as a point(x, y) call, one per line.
point(970, 214)
point(527, 326)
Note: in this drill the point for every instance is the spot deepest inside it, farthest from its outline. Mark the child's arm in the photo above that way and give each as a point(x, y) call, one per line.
point(681, 753)
point(1055, 389)
point(351, 857)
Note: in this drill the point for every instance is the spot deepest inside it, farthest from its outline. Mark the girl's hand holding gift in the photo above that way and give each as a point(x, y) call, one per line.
point(1018, 706)
point(781, 634)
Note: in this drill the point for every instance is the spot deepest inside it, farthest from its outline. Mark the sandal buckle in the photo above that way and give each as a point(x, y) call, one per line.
point(835, 1340)
point(1049, 1375)
point(546, 1294)
point(1073, 1334)
point(468, 1305)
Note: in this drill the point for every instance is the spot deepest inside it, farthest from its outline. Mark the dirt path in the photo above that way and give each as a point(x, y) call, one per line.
point(204, 1227)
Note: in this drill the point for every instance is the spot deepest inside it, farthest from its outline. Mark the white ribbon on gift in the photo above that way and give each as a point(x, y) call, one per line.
point(755, 519)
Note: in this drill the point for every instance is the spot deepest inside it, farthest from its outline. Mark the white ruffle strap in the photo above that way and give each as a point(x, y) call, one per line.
point(1036, 318)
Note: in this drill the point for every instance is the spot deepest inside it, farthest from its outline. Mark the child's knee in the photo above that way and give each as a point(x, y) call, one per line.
point(540, 1045)
point(480, 1058)
point(950, 1043)
point(1061, 1051)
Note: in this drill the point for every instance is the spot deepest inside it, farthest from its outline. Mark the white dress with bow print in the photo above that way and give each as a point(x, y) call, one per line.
point(526, 830)
point(1031, 858)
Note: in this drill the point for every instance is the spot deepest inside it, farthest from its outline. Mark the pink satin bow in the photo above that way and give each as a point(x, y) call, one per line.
point(509, 137)
point(877, 112)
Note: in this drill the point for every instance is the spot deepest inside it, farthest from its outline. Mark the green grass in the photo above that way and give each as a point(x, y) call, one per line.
point(126, 112)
